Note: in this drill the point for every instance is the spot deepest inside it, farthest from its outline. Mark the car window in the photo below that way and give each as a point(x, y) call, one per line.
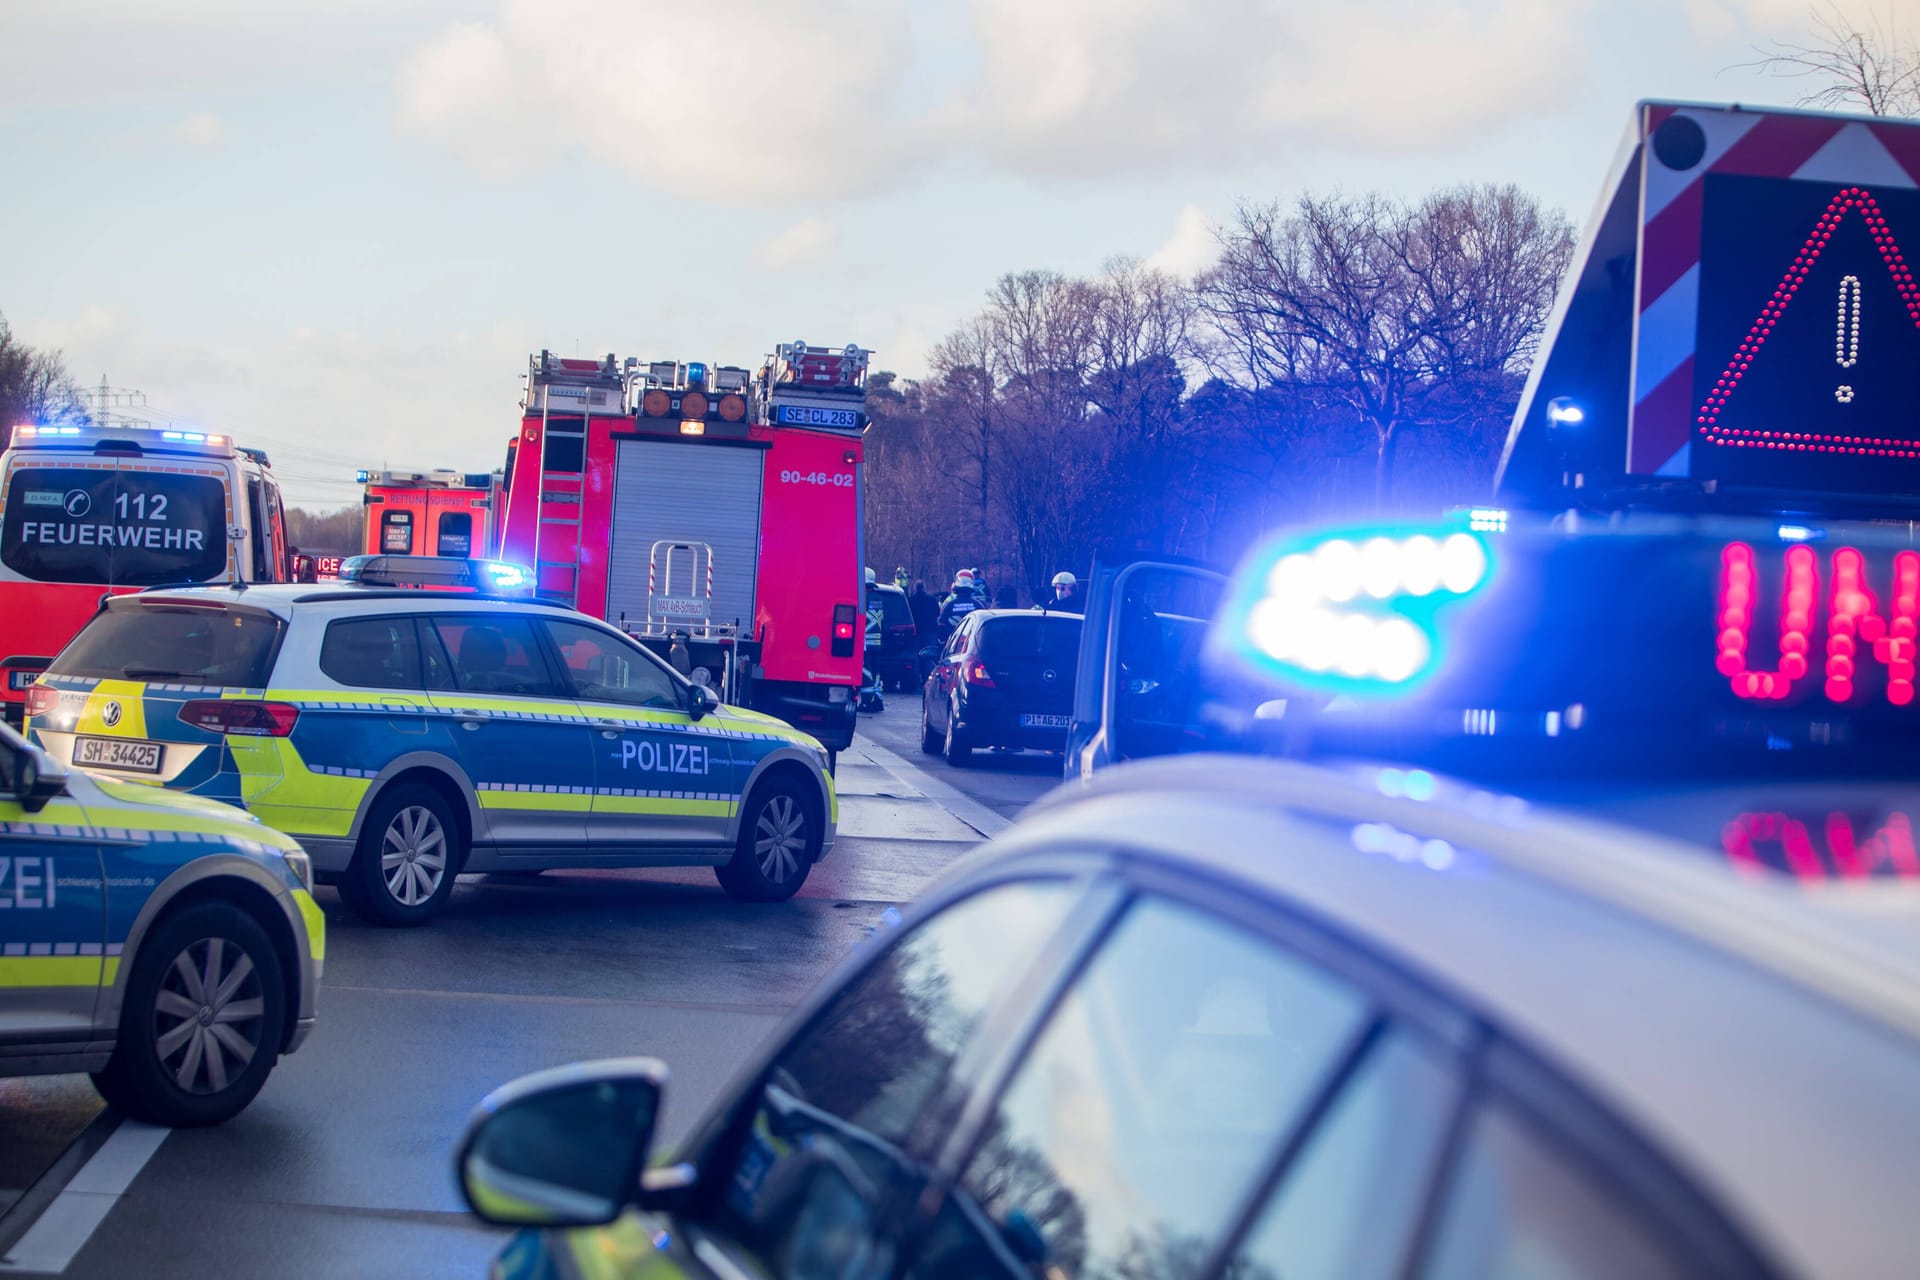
point(456, 533)
point(372, 653)
point(197, 644)
point(866, 1072)
point(1054, 638)
point(1150, 1102)
point(1346, 1208)
point(1518, 1207)
point(396, 532)
point(603, 668)
point(495, 653)
point(130, 528)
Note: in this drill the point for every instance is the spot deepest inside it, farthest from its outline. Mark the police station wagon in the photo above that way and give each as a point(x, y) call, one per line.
point(405, 736)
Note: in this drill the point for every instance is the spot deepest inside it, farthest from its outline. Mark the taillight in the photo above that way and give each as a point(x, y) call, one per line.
point(42, 699)
point(975, 673)
point(248, 719)
point(843, 616)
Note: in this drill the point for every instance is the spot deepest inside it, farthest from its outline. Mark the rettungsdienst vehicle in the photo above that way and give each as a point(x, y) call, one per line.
point(425, 717)
point(1519, 892)
point(87, 511)
point(166, 944)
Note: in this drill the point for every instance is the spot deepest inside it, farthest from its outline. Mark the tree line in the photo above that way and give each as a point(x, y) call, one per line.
point(35, 386)
point(1343, 354)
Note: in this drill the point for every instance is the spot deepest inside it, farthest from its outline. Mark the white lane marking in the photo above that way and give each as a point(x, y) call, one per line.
point(953, 800)
point(66, 1225)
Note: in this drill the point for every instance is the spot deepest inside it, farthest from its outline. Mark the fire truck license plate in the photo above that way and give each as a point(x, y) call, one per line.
point(18, 680)
point(117, 753)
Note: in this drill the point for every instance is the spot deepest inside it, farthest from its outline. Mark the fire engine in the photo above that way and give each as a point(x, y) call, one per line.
point(430, 513)
point(93, 510)
point(711, 512)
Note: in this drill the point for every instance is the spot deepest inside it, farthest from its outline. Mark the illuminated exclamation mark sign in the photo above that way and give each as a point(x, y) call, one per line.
point(1846, 334)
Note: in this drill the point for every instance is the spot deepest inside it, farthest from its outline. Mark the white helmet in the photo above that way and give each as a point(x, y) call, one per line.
point(964, 578)
point(871, 578)
point(1063, 579)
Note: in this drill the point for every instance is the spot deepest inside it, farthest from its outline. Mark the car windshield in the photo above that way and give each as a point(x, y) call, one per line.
point(206, 645)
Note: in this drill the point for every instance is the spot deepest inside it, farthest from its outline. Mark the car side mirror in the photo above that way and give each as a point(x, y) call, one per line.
point(37, 781)
point(701, 701)
point(563, 1147)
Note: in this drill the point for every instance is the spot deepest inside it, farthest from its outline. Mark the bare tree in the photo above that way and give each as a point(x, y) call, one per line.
point(34, 386)
point(1854, 68)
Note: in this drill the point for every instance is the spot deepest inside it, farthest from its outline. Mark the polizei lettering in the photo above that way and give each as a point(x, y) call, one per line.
point(149, 537)
point(26, 883)
point(663, 757)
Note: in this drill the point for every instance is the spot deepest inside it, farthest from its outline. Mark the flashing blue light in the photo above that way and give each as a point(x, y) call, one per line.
point(1352, 612)
point(59, 431)
point(1562, 411)
point(1800, 533)
point(696, 373)
point(1487, 520)
point(361, 477)
point(504, 577)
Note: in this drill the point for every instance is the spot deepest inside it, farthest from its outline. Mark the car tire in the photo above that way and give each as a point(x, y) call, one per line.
point(780, 834)
point(409, 852)
point(929, 740)
point(188, 1055)
point(955, 748)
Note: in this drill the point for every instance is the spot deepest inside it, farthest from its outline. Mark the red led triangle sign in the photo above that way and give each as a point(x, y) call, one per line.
point(1780, 435)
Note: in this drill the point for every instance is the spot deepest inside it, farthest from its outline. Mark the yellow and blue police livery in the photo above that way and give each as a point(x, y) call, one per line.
point(406, 736)
point(167, 944)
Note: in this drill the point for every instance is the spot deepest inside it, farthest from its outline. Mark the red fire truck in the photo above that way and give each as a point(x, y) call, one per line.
point(712, 513)
point(430, 513)
point(87, 511)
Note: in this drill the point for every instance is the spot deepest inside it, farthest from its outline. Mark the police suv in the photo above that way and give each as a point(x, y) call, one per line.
point(1501, 895)
point(404, 736)
point(169, 945)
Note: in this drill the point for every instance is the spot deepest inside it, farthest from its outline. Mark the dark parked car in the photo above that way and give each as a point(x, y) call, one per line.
point(1005, 679)
point(893, 645)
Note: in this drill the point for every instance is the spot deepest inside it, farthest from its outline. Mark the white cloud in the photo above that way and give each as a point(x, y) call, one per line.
point(282, 391)
point(1191, 248)
point(800, 245)
point(203, 130)
point(726, 99)
point(1098, 87)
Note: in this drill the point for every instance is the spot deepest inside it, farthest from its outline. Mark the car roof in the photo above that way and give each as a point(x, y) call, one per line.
point(1762, 1032)
point(281, 597)
point(991, 615)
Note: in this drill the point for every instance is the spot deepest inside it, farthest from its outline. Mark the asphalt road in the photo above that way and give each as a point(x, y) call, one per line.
point(342, 1166)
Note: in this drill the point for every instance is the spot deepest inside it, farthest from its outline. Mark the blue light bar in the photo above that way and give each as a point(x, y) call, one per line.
point(1351, 611)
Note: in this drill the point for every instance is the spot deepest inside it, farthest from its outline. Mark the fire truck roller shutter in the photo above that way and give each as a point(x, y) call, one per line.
point(699, 493)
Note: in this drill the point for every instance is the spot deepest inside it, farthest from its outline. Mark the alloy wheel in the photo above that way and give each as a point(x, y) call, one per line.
point(780, 838)
point(413, 855)
point(206, 1017)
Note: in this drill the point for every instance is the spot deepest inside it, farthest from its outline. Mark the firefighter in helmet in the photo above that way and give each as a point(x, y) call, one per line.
point(1066, 593)
point(961, 601)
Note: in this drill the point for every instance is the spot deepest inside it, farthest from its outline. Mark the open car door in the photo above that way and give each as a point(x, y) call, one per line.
point(1137, 688)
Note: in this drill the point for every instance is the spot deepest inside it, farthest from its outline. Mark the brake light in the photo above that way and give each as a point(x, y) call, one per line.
point(843, 616)
point(246, 719)
point(975, 673)
point(42, 699)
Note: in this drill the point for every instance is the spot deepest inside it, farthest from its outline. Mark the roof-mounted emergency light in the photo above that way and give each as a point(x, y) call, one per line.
point(1354, 611)
point(486, 577)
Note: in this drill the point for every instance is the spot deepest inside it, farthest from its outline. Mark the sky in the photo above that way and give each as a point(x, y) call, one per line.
point(336, 229)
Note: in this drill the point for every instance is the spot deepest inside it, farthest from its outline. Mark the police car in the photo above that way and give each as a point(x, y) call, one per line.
point(169, 945)
point(1500, 895)
point(405, 736)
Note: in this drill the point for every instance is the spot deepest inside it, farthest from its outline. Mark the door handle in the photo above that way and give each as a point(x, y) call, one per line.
point(610, 730)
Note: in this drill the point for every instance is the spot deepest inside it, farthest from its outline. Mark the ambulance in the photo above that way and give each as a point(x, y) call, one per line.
point(89, 511)
point(430, 513)
point(712, 513)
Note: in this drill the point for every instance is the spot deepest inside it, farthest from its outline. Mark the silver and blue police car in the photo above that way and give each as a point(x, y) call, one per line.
point(1634, 992)
point(405, 736)
point(167, 944)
